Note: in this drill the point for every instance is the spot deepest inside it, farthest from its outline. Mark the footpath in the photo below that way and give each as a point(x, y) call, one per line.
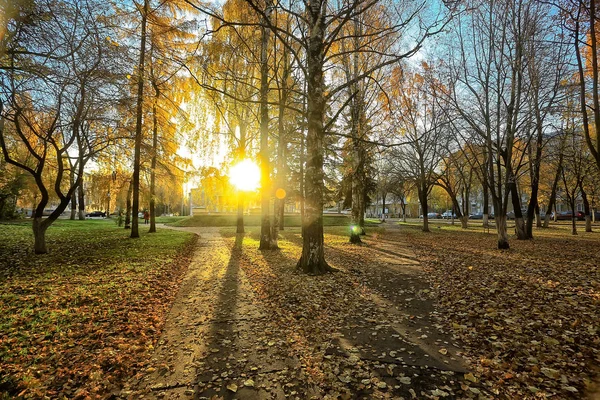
point(245, 325)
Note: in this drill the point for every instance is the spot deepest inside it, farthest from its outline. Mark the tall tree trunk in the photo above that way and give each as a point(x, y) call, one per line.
point(128, 207)
point(39, 234)
point(357, 193)
point(383, 196)
point(516, 203)
point(538, 218)
point(81, 201)
point(240, 213)
point(424, 208)
point(552, 200)
point(153, 167)
point(312, 260)
point(403, 205)
point(573, 216)
point(282, 141)
point(486, 204)
point(73, 196)
point(586, 209)
point(138, 127)
point(267, 241)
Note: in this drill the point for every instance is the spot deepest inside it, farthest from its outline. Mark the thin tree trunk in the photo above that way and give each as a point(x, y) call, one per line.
point(81, 202)
point(586, 209)
point(138, 127)
point(128, 205)
point(424, 208)
point(153, 167)
point(538, 218)
point(552, 200)
point(486, 205)
point(73, 197)
point(240, 213)
point(516, 202)
point(357, 193)
point(267, 241)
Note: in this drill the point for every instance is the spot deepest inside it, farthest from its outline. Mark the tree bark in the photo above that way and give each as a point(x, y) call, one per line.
point(516, 203)
point(138, 127)
point(81, 202)
point(552, 200)
point(153, 167)
point(357, 193)
point(502, 234)
point(39, 234)
point(586, 209)
point(73, 197)
point(128, 205)
point(240, 213)
point(267, 241)
point(424, 208)
point(312, 260)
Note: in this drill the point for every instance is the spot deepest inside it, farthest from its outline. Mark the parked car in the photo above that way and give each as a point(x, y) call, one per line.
point(568, 215)
point(476, 216)
point(448, 215)
point(96, 214)
point(431, 215)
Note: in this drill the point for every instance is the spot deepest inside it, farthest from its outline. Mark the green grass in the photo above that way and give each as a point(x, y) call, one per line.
point(169, 220)
point(62, 314)
point(222, 220)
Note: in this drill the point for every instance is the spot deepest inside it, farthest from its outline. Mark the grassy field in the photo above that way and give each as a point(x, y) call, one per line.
point(75, 321)
point(254, 220)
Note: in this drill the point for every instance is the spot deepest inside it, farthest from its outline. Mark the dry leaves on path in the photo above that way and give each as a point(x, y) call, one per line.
point(530, 315)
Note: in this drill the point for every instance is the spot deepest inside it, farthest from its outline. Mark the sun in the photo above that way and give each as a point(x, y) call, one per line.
point(245, 175)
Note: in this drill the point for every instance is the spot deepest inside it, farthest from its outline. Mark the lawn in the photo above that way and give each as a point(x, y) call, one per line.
point(224, 220)
point(75, 321)
point(529, 316)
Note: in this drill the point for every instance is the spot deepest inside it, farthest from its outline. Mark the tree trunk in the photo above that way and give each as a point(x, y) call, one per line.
point(383, 195)
point(516, 203)
point(403, 205)
point(573, 215)
point(240, 213)
point(502, 234)
point(552, 200)
point(282, 141)
point(357, 193)
point(486, 206)
point(267, 241)
point(312, 260)
point(424, 208)
point(81, 202)
point(73, 206)
point(138, 127)
point(586, 209)
point(538, 218)
point(128, 205)
point(357, 225)
point(464, 222)
point(281, 214)
point(39, 234)
point(153, 167)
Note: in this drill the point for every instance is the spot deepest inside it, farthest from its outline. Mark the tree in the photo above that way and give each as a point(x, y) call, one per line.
point(487, 87)
point(55, 63)
point(421, 124)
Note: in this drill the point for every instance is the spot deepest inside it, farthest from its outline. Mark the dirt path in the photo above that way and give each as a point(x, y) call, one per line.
point(224, 337)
